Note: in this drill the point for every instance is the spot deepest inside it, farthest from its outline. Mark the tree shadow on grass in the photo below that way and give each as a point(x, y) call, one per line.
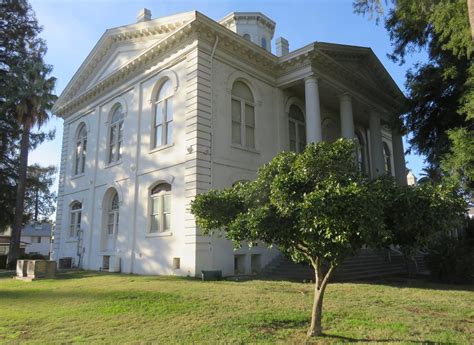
point(413, 282)
point(340, 338)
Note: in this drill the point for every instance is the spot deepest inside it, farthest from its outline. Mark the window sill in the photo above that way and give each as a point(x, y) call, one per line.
point(160, 148)
point(74, 177)
point(112, 164)
point(159, 234)
point(243, 148)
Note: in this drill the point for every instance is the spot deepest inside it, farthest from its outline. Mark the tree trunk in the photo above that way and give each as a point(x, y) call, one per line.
point(320, 284)
point(14, 250)
point(470, 12)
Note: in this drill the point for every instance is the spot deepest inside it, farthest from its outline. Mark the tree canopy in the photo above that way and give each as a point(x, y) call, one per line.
point(317, 207)
point(439, 113)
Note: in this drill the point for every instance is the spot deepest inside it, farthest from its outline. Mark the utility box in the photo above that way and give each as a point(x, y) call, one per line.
point(211, 275)
point(35, 269)
point(21, 268)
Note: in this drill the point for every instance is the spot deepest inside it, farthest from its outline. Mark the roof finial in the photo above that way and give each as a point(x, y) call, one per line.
point(143, 15)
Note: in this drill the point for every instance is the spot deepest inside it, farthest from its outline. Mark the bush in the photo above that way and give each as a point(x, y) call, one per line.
point(33, 257)
point(450, 260)
point(3, 262)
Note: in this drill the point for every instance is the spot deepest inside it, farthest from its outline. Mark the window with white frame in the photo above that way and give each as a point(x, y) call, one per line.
point(264, 43)
point(116, 134)
point(160, 210)
point(243, 115)
point(387, 159)
point(163, 122)
point(81, 148)
point(75, 218)
point(297, 129)
point(113, 215)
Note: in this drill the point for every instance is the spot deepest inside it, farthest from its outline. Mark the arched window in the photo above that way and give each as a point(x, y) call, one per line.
point(116, 135)
point(297, 129)
point(243, 115)
point(247, 37)
point(75, 218)
point(361, 153)
point(81, 148)
point(264, 43)
point(387, 159)
point(160, 210)
point(163, 122)
point(113, 214)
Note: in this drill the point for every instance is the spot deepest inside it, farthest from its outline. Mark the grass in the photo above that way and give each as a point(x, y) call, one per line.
point(112, 308)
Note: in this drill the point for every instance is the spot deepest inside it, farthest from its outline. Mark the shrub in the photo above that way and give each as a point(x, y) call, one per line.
point(450, 259)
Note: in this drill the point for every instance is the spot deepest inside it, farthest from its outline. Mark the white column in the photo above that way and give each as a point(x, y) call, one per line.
point(347, 118)
point(313, 112)
point(399, 158)
point(376, 146)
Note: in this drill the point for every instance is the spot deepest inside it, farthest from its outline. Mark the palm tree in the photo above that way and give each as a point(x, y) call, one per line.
point(33, 100)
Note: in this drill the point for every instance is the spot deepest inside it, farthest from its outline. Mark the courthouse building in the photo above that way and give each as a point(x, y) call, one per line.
point(164, 109)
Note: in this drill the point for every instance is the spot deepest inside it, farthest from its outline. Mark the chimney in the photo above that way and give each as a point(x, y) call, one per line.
point(282, 46)
point(144, 15)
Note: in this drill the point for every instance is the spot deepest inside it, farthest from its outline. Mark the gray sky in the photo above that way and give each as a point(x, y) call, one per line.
point(72, 28)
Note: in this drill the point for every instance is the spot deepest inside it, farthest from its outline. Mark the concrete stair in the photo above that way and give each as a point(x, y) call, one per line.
point(367, 264)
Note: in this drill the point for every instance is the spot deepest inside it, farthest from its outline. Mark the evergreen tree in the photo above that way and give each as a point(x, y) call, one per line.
point(440, 107)
point(40, 202)
point(26, 96)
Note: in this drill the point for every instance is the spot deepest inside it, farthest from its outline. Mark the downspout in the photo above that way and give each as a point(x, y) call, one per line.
point(212, 132)
point(212, 106)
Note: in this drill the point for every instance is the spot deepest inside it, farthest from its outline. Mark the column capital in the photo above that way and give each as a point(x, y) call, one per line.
point(311, 78)
point(345, 97)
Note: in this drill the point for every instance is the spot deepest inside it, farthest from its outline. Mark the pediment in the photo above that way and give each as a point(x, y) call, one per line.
point(117, 48)
point(119, 55)
point(363, 63)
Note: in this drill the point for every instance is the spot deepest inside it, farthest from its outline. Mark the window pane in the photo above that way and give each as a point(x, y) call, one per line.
point(249, 136)
point(236, 133)
point(78, 220)
point(120, 131)
point(302, 133)
point(292, 130)
point(72, 231)
point(119, 156)
point(158, 113)
point(241, 90)
point(249, 116)
point(236, 111)
point(155, 206)
point(113, 134)
point(158, 137)
point(166, 90)
point(167, 222)
point(155, 223)
point(110, 229)
point(169, 132)
point(111, 153)
point(167, 203)
point(293, 145)
point(169, 109)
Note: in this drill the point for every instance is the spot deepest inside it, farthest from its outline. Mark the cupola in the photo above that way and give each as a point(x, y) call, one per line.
point(253, 26)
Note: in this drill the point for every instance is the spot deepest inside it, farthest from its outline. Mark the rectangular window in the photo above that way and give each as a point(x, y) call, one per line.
point(169, 121)
point(292, 132)
point(249, 126)
point(236, 122)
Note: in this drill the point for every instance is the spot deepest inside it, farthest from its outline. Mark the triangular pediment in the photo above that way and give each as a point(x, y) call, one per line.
point(363, 63)
point(118, 47)
point(118, 56)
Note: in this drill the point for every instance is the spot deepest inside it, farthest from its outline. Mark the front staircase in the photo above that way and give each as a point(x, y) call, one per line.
point(367, 264)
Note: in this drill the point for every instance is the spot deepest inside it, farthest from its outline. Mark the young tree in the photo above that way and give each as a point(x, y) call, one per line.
point(27, 92)
point(316, 207)
point(40, 202)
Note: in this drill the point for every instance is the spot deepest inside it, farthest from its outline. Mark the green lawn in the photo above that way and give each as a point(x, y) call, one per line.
point(113, 308)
